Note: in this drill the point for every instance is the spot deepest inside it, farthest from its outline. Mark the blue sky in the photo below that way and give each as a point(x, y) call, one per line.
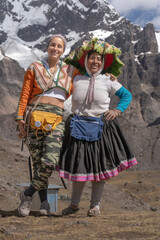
point(139, 12)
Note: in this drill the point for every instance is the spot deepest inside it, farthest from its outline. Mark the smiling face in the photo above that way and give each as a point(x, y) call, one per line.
point(55, 48)
point(94, 62)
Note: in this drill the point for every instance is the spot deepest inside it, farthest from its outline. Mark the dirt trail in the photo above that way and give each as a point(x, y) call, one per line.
point(130, 206)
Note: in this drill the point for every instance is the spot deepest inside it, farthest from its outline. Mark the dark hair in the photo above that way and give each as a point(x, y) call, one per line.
point(93, 51)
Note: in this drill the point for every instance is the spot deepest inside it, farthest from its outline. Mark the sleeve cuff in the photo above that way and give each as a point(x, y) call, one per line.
point(19, 118)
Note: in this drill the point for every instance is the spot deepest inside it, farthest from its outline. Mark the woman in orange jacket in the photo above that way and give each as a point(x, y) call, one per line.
point(47, 84)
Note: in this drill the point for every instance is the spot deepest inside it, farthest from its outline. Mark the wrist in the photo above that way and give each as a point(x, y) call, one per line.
point(118, 112)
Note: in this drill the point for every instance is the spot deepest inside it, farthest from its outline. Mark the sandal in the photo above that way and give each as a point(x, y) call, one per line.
point(69, 210)
point(93, 212)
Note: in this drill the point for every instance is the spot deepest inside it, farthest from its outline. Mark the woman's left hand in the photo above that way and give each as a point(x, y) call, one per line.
point(112, 77)
point(112, 114)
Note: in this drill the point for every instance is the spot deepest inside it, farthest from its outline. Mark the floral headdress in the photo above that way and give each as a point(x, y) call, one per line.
point(112, 64)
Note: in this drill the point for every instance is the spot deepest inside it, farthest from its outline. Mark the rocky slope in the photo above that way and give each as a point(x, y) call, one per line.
point(130, 208)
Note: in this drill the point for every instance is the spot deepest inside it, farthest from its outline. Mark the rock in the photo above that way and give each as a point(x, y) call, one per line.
point(147, 41)
point(11, 75)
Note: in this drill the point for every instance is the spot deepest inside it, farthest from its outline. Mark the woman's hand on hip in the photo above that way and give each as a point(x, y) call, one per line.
point(112, 114)
point(21, 124)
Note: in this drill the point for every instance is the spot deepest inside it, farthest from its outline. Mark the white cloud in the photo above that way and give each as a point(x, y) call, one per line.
point(156, 21)
point(139, 11)
point(125, 6)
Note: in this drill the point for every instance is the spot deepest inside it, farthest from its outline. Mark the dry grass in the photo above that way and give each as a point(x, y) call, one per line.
point(130, 207)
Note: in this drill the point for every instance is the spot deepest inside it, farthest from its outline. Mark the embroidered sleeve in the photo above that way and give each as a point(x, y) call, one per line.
point(25, 93)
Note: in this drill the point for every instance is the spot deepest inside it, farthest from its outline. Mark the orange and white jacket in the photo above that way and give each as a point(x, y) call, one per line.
point(35, 81)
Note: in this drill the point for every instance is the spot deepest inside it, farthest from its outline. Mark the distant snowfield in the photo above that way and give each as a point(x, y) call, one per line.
point(21, 53)
point(17, 49)
point(158, 40)
point(102, 34)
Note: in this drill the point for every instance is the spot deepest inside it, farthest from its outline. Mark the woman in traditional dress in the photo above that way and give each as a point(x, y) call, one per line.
point(94, 148)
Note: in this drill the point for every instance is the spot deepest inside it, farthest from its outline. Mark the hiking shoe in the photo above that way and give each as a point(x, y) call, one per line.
point(70, 210)
point(25, 205)
point(44, 208)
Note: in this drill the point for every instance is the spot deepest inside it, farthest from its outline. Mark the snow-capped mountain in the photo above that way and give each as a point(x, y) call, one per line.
point(25, 27)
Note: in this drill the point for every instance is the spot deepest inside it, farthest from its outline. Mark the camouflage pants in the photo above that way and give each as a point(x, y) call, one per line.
point(45, 149)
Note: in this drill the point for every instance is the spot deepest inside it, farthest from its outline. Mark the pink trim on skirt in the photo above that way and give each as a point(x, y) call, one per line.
point(99, 176)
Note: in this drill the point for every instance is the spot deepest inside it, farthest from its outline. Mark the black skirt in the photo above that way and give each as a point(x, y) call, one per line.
point(82, 160)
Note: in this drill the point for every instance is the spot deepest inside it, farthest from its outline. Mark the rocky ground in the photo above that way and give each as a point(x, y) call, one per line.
point(130, 207)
